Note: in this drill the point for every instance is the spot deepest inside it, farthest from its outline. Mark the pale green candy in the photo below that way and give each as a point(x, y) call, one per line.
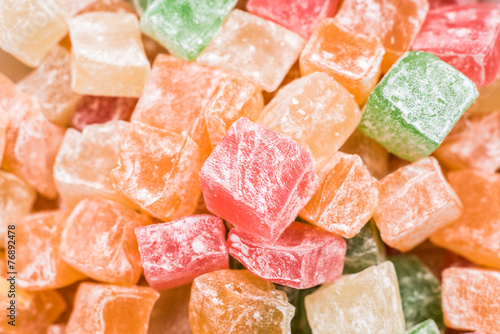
point(141, 5)
point(185, 27)
point(416, 105)
point(426, 327)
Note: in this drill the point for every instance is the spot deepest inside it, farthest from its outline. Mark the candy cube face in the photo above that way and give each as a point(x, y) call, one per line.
point(235, 97)
point(100, 308)
point(107, 48)
point(426, 327)
point(27, 38)
point(176, 95)
point(85, 160)
point(315, 111)
point(254, 47)
point(346, 198)
point(395, 22)
point(415, 201)
point(475, 234)
point(297, 16)
point(416, 104)
point(177, 252)
point(420, 292)
point(351, 59)
point(302, 257)
point(99, 241)
point(470, 299)
point(101, 109)
point(258, 180)
point(39, 262)
point(366, 302)
point(50, 85)
point(235, 301)
point(466, 37)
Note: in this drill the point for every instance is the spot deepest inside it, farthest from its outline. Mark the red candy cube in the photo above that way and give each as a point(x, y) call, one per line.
point(258, 180)
point(177, 252)
point(303, 256)
point(466, 37)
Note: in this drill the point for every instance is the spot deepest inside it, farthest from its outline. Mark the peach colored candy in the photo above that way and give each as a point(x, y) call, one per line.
point(175, 96)
point(235, 97)
point(488, 99)
point(414, 202)
point(11, 67)
point(4, 123)
point(473, 143)
point(315, 111)
point(78, 7)
point(39, 262)
point(50, 86)
point(56, 329)
point(99, 241)
point(476, 233)
point(102, 308)
point(171, 312)
point(158, 170)
point(471, 299)
point(350, 58)
point(346, 198)
point(395, 22)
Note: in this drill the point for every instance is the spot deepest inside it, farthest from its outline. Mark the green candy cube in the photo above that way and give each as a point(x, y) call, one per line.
point(185, 27)
point(426, 327)
point(416, 105)
point(420, 291)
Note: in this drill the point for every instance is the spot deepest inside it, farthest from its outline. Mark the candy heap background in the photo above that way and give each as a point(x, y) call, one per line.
point(270, 166)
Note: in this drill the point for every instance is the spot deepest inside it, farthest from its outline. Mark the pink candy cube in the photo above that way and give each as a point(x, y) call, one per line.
point(466, 37)
point(303, 256)
point(177, 252)
point(258, 180)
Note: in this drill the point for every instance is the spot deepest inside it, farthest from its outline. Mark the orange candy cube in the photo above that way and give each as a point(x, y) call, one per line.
point(346, 198)
point(99, 241)
point(415, 201)
point(102, 308)
point(40, 265)
point(353, 60)
point(475, 235)
point(171, 312)
point(470, 299)
point(158, 170)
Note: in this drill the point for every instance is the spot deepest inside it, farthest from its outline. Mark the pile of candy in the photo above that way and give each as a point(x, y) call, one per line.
point(262, 166)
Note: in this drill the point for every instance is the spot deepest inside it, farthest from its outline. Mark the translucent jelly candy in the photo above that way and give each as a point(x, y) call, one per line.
point(99, 241)
point(102, 308)
point(56, 329)
point(297, 16)
point(50, 85)
point(235, 97)
point(78, 7)
point(367, 302)
point(39, 262)
point(364, 250)
point(302, 257)
point(29, 29)
point(351, 59)
point(158, 170)
point(416, 104)
point(254, 47)
point(346, 198)
point(470, 299)
point(107, 56)
point(175, 97)
point(441, 3)
point(395, 22)
point(258, 180)
point(466, 37)
point(426, 327)
point(16, 200)
point(315, 111)
point(101, 109)
point(85, 160)
point(177, 252)
point(171, 312)
point(415, 201)
point(235, 301)
point(34, 311)
point(420, 291)
point(475, 234)
point(473, 143)
point(185, 27)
